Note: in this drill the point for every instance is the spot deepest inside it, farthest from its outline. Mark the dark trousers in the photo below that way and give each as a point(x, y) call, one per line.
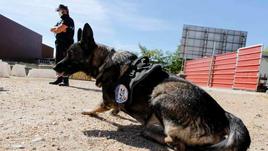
point(61, 50)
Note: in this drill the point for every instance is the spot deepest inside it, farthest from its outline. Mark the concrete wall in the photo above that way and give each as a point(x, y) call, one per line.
point(264, 67)
point(18, 43)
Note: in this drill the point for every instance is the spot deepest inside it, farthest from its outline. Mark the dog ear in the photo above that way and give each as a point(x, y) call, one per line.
point(87, 39)
point(79, 34)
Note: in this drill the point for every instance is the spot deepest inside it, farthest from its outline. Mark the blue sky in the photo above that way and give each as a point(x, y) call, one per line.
point(124, 24)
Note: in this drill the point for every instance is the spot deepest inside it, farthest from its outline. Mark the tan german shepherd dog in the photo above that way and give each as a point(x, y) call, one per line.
point(173, 111)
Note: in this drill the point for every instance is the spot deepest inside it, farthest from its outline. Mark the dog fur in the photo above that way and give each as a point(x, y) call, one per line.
point(173, 111)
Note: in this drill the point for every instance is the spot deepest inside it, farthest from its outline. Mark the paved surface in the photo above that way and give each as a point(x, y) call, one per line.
point(37, 116)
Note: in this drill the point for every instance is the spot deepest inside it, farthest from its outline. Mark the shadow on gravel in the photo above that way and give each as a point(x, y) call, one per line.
point(86, 89)
point(2, 89)
point(124, 118)
point(127, 134)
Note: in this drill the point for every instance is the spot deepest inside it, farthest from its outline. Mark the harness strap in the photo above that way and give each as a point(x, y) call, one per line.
point(139, 70)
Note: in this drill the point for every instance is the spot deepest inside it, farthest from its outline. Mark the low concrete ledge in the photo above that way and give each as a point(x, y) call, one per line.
point(18, 70)
point(42, 73)
point(5, 70)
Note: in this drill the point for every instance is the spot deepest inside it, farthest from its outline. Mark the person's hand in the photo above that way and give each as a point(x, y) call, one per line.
point(59, 29)
point(53, 29)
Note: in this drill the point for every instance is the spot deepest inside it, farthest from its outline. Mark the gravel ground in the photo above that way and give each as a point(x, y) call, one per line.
point(37, 116)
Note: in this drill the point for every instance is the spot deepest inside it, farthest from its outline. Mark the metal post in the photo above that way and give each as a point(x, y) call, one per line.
point(184, 54)
point(211, 66)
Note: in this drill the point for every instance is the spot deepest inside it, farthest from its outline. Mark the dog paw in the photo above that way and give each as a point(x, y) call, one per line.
point(145, 134)
point(114, 112)
point(90, 113)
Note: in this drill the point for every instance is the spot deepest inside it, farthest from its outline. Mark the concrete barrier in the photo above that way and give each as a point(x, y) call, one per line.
point(42, 73)
point(18, 70)
point(4, 69)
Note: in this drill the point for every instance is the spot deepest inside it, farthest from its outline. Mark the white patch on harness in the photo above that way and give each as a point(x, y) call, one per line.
point(121, 94)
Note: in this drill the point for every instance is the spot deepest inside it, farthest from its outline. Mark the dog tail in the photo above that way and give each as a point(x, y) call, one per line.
point(238, 138)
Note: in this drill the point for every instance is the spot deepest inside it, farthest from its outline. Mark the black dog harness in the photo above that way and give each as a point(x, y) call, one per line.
point(139, 70)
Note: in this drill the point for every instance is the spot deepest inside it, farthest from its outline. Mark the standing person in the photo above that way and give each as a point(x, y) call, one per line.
point(64, 31)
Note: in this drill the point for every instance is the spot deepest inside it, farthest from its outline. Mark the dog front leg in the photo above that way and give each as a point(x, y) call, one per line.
point(99, 109)
point(115, 111)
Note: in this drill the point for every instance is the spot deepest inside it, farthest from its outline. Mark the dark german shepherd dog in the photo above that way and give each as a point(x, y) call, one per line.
point(172, 110)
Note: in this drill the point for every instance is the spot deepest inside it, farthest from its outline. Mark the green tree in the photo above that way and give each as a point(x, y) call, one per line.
point(171, 62)
point(174, 62)
point(265, 52)
point(156, 55)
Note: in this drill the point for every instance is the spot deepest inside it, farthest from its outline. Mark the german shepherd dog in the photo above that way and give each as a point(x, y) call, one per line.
point(173, 111)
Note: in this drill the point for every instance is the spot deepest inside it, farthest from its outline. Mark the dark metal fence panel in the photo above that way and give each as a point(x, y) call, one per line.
point(47, 51)
point(17, 42)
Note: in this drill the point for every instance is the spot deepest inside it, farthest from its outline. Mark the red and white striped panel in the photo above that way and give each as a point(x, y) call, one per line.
point(247, 69)
point(224, 70)
point(197, 71)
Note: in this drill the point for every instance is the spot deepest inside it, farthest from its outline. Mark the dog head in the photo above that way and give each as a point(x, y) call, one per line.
point(79, 55)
